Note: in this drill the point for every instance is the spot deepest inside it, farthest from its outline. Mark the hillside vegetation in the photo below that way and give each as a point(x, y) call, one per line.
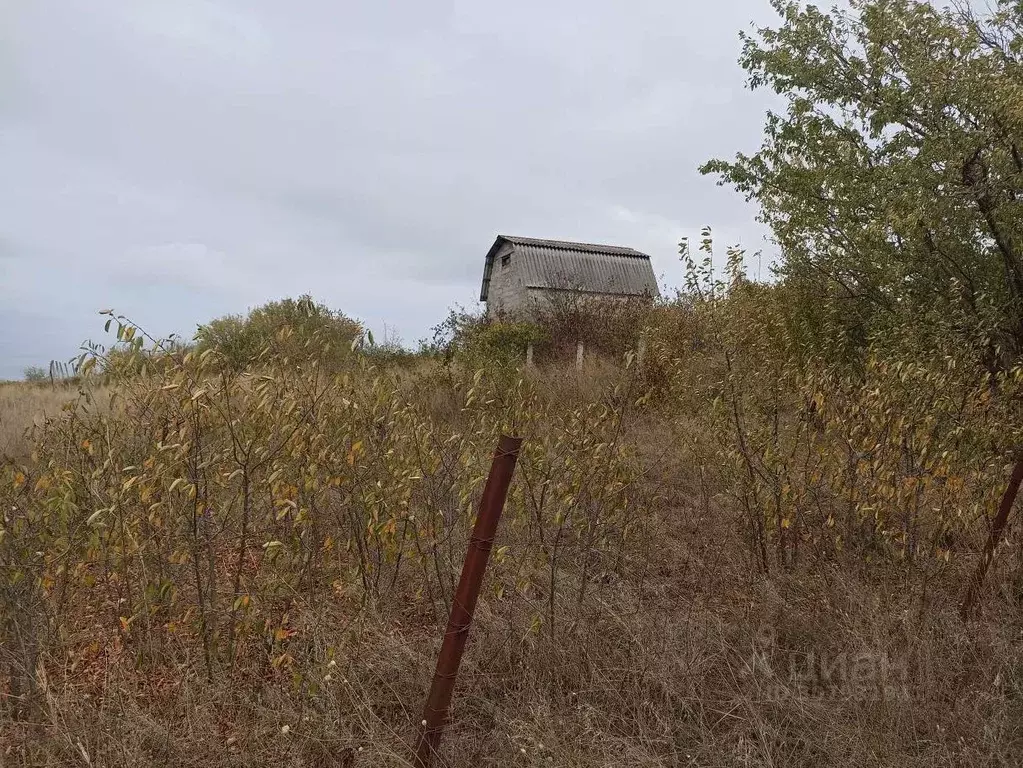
point(784, 535)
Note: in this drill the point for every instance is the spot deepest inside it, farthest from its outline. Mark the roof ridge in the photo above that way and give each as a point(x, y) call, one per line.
point(572, 245)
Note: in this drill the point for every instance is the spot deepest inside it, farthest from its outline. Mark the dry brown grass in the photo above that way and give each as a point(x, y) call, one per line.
point(24, 405)
point(688, 657)
point(666, 675)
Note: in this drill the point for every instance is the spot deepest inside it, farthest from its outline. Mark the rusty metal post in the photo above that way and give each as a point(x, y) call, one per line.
point(976, 584)
point(457, 633)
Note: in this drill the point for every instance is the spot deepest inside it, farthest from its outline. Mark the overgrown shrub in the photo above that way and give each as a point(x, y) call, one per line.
point(295, 329)
point(898, 457)
point(607, 327)
point(502, 344)
point(476, 341)
point(196, 515)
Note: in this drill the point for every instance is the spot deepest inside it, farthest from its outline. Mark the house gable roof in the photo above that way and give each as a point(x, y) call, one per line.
point(570, 266)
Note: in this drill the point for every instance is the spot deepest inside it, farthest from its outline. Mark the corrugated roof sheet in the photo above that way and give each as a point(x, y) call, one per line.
point(567, 245)
point(587, 267)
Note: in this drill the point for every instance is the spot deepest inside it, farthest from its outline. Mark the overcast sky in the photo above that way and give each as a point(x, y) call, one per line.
point(178, 160)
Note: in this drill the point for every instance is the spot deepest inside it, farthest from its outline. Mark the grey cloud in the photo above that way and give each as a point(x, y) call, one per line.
point(184, 160)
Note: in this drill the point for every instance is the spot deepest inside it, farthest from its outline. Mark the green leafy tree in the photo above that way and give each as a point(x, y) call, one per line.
point(892, 181)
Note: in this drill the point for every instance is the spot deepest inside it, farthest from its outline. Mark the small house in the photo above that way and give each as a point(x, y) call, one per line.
point(521, 272)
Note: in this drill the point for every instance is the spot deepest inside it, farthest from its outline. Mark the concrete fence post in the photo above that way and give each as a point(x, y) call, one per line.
point(640, 352)
point(529, 356)
point(579, 356)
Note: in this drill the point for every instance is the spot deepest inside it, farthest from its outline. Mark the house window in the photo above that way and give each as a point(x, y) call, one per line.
point(505, 260)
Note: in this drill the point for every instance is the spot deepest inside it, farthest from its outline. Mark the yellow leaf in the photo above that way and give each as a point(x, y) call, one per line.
point(355, 450)
point(281, 660)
